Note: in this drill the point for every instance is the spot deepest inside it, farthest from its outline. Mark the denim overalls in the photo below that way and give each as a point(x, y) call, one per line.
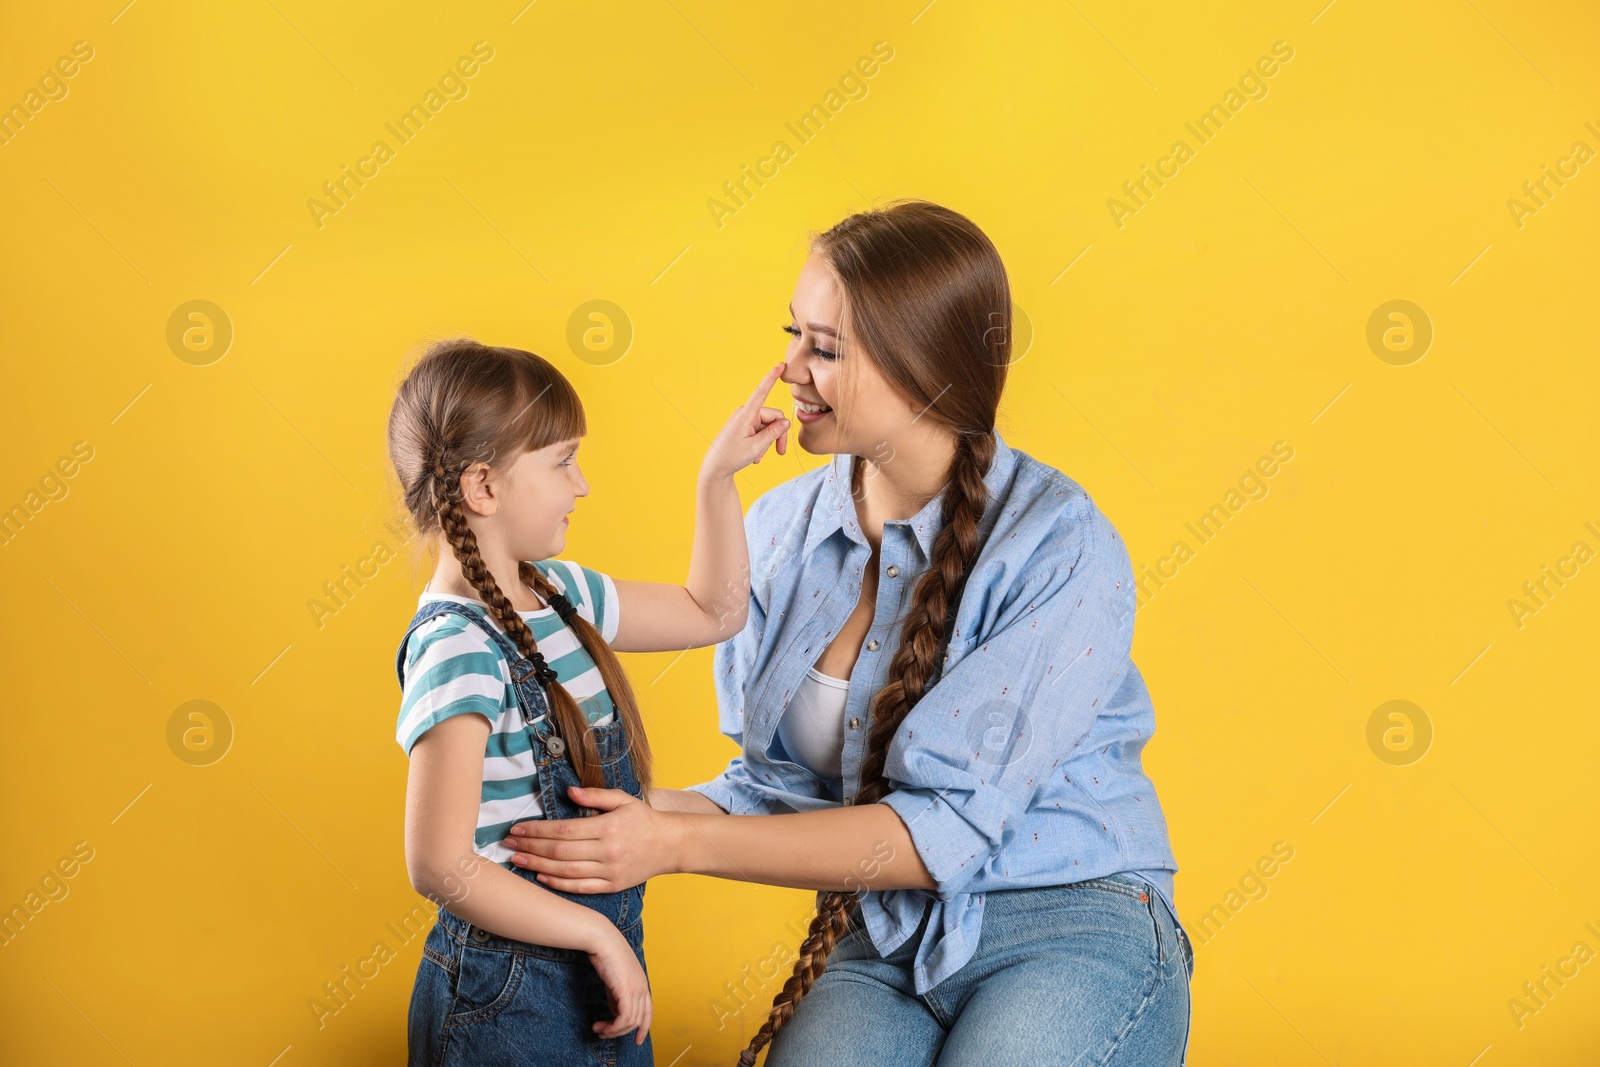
point(480, 998)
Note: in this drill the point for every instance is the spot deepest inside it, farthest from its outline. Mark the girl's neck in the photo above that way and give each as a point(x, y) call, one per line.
point(448, 578)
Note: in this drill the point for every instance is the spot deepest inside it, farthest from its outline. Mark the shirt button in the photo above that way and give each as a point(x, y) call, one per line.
point(855, 723)
point(893, 571)
point(872, 646)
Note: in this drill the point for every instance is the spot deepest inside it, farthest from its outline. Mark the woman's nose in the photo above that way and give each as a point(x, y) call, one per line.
point(798, 368)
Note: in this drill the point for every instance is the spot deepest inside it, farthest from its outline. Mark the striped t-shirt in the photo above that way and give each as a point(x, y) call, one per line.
point(453, 668)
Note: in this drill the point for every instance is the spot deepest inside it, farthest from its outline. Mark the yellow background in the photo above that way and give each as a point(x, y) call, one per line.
point(1229, 313)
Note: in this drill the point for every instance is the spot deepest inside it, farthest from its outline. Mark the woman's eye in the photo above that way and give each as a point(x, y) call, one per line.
point(821, 353)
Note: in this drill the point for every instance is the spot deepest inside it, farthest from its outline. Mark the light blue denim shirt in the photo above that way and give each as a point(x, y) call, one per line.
point(1020, 767)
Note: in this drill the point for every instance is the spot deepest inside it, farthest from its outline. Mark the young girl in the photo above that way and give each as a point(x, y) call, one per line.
point(511, 694)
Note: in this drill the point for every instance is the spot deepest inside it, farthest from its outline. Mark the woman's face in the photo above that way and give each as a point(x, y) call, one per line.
point(864, 410)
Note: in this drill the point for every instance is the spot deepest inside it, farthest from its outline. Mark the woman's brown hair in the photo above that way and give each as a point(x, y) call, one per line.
point(926, 299)
point(465, 403)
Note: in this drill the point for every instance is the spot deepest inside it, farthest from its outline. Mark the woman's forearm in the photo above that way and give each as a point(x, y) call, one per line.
point(685, 800)
point(848, 848)
point(719, 565)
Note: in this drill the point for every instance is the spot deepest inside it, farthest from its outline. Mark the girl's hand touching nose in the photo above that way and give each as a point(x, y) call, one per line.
point(752, 428)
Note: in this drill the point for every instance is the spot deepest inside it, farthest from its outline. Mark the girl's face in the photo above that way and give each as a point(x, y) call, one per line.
point(865, 411)
point(531, 499)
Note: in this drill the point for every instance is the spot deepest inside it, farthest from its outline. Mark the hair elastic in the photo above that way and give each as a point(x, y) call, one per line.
point(563, 607)
point(543, 673)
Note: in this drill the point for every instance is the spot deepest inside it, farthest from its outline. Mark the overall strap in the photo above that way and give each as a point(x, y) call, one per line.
point(480, 619)
point(529, 674)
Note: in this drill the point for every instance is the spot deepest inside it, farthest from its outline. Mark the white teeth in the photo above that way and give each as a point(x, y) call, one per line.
point(811, 409)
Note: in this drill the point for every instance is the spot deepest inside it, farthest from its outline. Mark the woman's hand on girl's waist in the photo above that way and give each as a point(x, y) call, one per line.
point(628, 843)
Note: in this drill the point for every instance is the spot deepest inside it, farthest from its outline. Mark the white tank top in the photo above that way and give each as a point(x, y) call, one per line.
point(812, 726)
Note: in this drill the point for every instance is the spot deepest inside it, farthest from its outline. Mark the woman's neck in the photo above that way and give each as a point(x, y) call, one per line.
point(915, 470)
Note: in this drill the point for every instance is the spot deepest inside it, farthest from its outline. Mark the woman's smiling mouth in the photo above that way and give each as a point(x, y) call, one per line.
point(807, 412)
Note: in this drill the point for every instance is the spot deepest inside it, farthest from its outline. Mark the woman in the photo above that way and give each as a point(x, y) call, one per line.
point(939, 720)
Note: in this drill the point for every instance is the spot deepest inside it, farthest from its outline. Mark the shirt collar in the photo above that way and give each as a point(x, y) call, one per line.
point(835, 509)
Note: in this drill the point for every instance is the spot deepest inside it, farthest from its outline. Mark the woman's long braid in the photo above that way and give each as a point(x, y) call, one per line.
point(954, 551)
point(913, 666)
point(568, 718)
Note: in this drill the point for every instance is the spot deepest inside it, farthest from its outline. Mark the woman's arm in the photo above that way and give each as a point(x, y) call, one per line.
point(1045, 668)
point(712, 606)
point(845, 848)
point(684, 800)
point(443, 788)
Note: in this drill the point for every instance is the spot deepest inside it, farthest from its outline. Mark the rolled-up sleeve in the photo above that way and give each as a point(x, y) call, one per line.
point(976, 751)
point(734, 792)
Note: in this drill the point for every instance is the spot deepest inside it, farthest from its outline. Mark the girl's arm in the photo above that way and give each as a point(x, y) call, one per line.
point(713, 605)
point(443, 789)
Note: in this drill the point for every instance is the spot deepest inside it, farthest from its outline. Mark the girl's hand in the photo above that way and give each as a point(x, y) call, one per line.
point(627, 989)
point(628, 843)
point(745, 438)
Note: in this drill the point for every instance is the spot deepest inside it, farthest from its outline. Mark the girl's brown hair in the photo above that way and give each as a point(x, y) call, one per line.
point(465, 403)
point(926, 299)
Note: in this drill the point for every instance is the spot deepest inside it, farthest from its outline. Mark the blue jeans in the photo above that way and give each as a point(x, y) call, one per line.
point(1092, 974)
point(482, 999)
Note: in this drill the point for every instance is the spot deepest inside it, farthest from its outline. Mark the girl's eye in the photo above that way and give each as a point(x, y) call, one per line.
point(822, 353)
